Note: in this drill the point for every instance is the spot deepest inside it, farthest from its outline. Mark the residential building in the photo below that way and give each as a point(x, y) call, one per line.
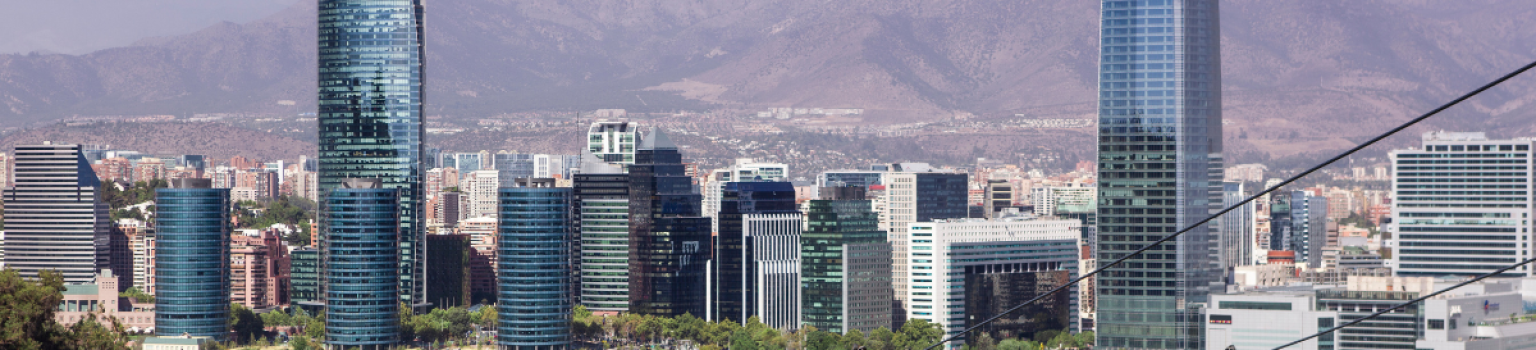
point(757, 255)
point(5, 170)
point(117, 169)
point(149, 169)
point(1235, 238)
point(448, 257)
point(669, 238)
point(1160, 169)
point(360, 264)
point(845, 264)
point(1309, 227)
point(1462, 206)
point(54, 219)
point(534, 294)
point(193, 282)
point(965, 271)
point(480, 186)
point(483, 233)
point(614, 142)
point(601, 200)
point(450, 208)
point(371, 119)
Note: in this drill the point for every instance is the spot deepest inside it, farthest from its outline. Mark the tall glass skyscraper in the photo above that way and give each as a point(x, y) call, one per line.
point(669, 241)
point(601, 201)
point(1159, 167)
point(845, 263)
point(533, 264)
point(370, 111)
point(362, 301)
point(192, 260)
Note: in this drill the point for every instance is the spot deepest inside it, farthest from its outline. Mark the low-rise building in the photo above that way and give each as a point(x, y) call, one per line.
point(101, 297)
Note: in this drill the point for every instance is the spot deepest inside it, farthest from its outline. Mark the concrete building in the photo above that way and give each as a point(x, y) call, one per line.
point(998, 196)
point(916, 192)
point(101, 298)
point(1235, 229)
point(480, 187)
point(1462, 205)
point(744, 170)
point(965, 271)
point(614, 142)
point(1309, 227)
point(54, 219)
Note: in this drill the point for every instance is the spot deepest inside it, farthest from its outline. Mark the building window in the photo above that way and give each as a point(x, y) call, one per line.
point(1436, 324)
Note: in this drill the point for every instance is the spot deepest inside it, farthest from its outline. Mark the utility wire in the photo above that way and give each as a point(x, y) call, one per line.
point(1410, 302)
point(1288, 181)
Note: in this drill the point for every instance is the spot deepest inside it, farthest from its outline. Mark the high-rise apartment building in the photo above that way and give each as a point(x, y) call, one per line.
point(192, 281)
point(370, 116)
point(965, 271)
point(359, 268)
point(601, 201)
point(533, 264)
point(480, 187)
point(1463, 205)
point(1236, 239)
point(1309, 227)
point(845, 264)
point(669, 239)
point(757, 255)
point(1159, 168)
point(54, 219)
point(614, 141)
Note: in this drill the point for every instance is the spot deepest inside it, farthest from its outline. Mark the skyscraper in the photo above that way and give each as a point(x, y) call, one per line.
point(54, 218)
point(1309, 225)
point(845, 264)
point(1159, 147)
point(1236, 228)
point(370, 114)
point(916, 192)
point(613, 141)
point(669, 241)
point(362, 301)
point(533, 257)
point(192, 280)
point(757, 255)
point(602, 224)
point(1466, 221)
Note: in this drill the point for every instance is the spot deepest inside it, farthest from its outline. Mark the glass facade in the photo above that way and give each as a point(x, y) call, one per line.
point(534, 303)
point(735, 275)
point(838, 295)
point(192, 262)
point(304, 285)
point(1159, 146)
point(370, 111)
point(448, 270)
point(669, 240)
point(603, 224)
point(361, 266)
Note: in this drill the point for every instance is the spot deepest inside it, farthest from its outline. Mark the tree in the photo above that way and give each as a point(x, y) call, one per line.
point(854, 339)
point(29, 307)
point(1015, 344)
point(245, 322)
point(742, 340)
point(300, 343)
point(820, 340)
point(881, 339)
point(918, 334)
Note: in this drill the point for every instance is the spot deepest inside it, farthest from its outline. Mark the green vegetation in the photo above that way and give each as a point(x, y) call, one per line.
point(30, 306)
point(131, 194)
point(443, 325)
point(245, 323)
point(137, 295)
point(292, 211)
point(633, 329)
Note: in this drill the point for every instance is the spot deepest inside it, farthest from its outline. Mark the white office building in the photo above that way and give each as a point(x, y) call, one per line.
point(774, 243)
point(964, 269)
point(1462, 206)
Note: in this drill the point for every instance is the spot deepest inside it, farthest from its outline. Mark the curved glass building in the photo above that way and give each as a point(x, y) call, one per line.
point(533, 260)
point(361, 295)
point(370, 111)
point(191, 262)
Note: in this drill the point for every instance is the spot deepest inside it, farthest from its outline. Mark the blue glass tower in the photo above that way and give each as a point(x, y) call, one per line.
point(533, 266)
point(370, 111)
point(1159, 169)
point(191, 263)
point(361, 291)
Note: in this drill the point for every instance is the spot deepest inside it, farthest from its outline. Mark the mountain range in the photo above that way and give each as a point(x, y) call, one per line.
point(1299, 75)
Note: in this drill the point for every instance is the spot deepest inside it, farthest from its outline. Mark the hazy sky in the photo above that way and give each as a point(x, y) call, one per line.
point(82, 26)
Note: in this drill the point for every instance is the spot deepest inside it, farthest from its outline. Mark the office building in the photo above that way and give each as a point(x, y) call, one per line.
point(533, 257)
point(5, 170)
point(1275, 316)
point(669, 239)
point(1160, 168)
point(370, 114)
point(744, 170)
point(304, 278)
point(448, 274)
point(999, 195)
point(1236, 228)
point(757, 255)
point(601, 198)
point(450, 208)
point(192, 281)
point(965, 271)
point(613, 142)
point(1309, 227)
point(1463, 206)
point(54, 219)
point(1079, 202)
point(916, 192)
point(845, 264)
point(360, 265)
point(513, 166)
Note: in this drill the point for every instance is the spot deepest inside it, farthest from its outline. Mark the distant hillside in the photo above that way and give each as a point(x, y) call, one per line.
point(1300, 75)
point(210, 139)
